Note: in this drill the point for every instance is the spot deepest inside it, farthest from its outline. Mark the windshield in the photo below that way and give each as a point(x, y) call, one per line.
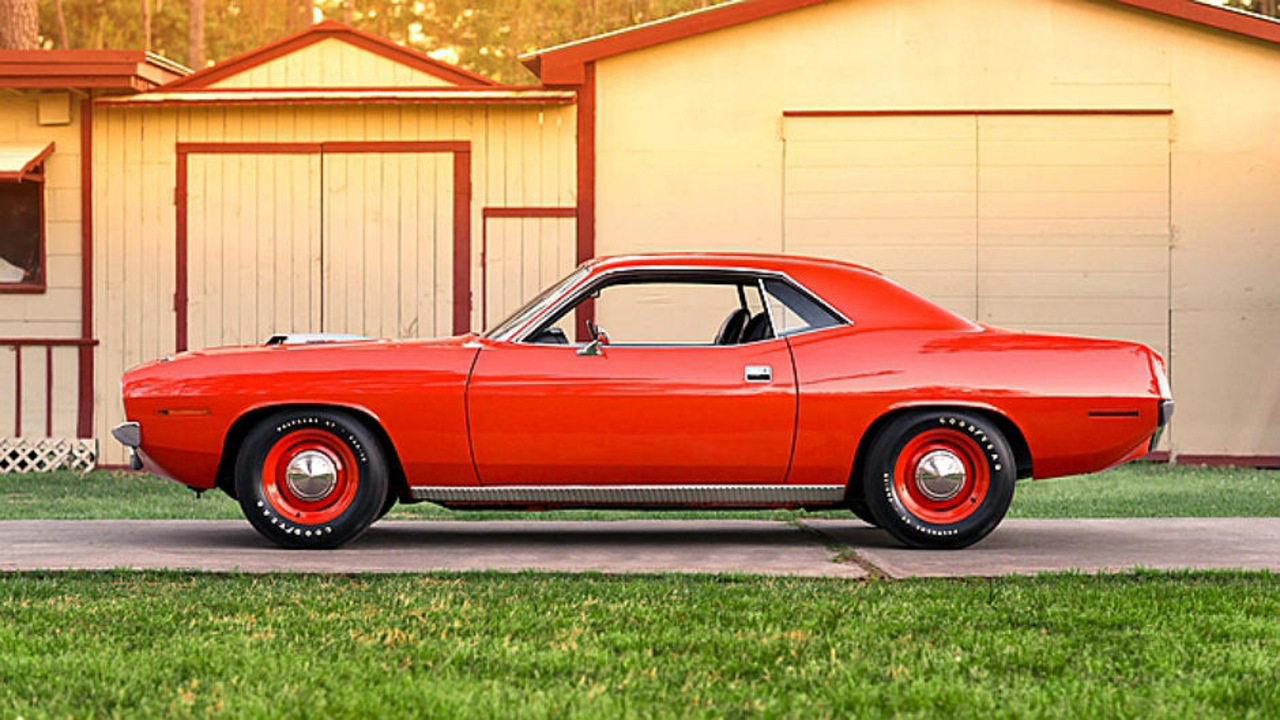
point(534, 306)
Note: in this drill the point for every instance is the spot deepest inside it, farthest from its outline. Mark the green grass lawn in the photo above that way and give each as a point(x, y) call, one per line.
point(1136, 490)
point(485, 645)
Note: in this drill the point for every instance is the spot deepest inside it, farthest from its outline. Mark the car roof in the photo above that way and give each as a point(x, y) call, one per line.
point(860, 293)
point(737, 260)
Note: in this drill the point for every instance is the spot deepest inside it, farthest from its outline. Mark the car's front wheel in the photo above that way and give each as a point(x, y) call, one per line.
point(939, 479)
point(311, 479)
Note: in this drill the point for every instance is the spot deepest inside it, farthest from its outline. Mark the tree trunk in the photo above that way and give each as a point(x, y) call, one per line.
point(19, 25)
point(146, 25)
point(62, 25)
point(299, 15)
point(195, 34)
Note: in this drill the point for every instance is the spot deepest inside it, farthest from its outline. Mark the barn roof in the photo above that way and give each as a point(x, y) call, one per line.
point(320, 32)
point(118, 70)
point(565, 64)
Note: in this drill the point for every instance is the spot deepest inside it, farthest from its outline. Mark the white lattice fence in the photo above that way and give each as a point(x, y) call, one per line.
point(26, 455)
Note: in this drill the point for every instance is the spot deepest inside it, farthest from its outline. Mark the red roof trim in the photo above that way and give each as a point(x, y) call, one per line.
point(106, 69)
point(329, 29)
point(565, 64)
point(1222, 18)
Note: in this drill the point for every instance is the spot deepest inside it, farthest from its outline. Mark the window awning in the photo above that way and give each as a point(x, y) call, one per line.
point(18, 161)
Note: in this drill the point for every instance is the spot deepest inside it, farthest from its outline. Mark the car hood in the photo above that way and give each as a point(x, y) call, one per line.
point(189, 366)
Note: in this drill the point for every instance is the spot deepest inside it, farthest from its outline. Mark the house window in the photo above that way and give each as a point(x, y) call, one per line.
point(22, 251)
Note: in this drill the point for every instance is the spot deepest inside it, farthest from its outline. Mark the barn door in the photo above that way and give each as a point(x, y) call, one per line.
point(305, 238)
point(1057, 223)
point(1073, 218)
point(894, 193)
point(253, 246)
point(388, 243)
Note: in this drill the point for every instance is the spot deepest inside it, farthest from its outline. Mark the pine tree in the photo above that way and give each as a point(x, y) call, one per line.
point(19, 24)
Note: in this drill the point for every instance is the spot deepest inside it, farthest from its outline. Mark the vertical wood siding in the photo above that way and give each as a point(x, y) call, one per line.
point(253, 246)
point(524, 255)
point(387, 217)
point(331, 63)
point(388, 243)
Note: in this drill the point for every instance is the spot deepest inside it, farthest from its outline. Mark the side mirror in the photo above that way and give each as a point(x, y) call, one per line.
point(599, 338)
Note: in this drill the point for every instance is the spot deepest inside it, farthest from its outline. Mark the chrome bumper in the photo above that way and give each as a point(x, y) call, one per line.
point(1162, 420)
point(129, 434)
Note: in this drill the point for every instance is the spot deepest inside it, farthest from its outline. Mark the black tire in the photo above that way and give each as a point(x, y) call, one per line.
point(278, 509)
point(387, 504)
point(915, 511)
point(862, 512)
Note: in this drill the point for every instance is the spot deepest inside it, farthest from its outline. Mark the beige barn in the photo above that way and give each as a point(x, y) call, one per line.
point(1092, 166)
point(1106, 167)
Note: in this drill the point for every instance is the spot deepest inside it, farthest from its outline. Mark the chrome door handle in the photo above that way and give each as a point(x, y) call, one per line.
point(758, 373)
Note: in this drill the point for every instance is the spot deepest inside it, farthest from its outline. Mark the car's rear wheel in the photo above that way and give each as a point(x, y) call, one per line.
point(940, 479)
point(311, 479)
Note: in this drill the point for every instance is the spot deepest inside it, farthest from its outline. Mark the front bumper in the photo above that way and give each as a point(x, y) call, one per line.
point(129, 434)
point(1162, 421)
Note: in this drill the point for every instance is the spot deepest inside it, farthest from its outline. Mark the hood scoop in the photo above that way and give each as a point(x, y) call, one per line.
point(311, 338)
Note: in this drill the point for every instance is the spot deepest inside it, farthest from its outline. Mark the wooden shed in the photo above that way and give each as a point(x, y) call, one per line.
point(329, 182)
point(1105, 167)
point(46, 284)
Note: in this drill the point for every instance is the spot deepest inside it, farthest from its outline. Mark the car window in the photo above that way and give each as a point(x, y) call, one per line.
point(664, 311)
point(794, 311)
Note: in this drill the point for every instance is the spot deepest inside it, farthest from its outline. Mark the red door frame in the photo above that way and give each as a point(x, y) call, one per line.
point(461, 150)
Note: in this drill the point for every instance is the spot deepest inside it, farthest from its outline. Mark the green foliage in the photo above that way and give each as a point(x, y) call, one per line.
point(1147, 645)
point(483, 37)
point(231, 26)
point(489, 37)
point(1135, 490)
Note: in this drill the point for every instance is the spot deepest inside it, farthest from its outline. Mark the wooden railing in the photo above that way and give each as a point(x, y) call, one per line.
point(47, 345)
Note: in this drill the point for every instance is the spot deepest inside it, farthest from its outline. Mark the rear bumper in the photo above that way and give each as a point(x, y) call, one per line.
point(1162, 421)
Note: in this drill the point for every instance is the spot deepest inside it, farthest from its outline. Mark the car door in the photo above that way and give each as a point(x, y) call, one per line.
point(640, 410)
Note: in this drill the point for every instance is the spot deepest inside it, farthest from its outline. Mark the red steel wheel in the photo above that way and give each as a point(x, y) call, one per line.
point(941, 475)
point(939, 479)
point(311, 476)
point(311, 479)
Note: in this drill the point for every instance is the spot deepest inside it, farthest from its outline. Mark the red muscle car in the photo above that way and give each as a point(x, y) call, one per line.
point(656, 381)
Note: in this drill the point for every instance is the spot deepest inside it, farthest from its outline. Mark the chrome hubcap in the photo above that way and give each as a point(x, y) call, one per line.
point(940, 475)
point(311, 475)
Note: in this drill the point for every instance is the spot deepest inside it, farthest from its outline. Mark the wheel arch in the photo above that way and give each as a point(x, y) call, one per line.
point(1013, 433)
point(240, 428)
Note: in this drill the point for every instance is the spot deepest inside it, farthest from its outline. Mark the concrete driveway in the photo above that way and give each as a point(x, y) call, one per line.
point(814, 548)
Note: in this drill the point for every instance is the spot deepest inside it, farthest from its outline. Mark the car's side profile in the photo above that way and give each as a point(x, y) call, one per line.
point(656, 381)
